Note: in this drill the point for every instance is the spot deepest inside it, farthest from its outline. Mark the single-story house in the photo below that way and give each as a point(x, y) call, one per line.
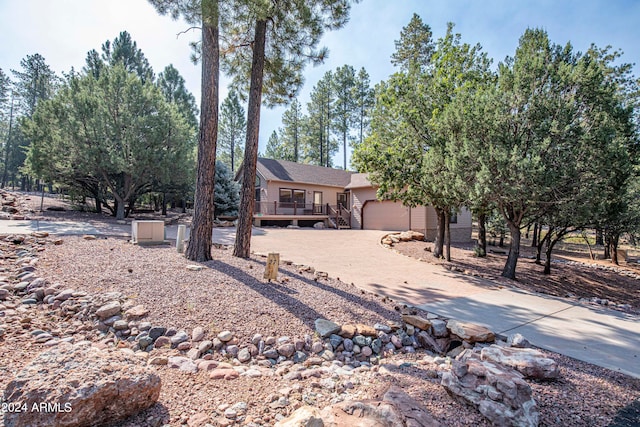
point(301, 194)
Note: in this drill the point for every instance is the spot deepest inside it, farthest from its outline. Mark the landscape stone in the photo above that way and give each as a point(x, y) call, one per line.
point(286, 350)
point(197, 334)
point(136, 312)
point(366, 330)
point(179, 337)
point(184, 346)
point(347, 331)
point(93, 391)
point(182, 363)
point(383, 328)
point(470, 332)
point(395, 409)
point(335, 340)
point(162, 341)
point(439, 328)
point(233, 350)
point(244, 355)
point(417, 321)
point(225, 336)
point(497, 391)
point(517, 340)
point(156, 331)
point(529, 362)
point(325, 328)
point(426, 341)
point(299, 357)
point(109, 309)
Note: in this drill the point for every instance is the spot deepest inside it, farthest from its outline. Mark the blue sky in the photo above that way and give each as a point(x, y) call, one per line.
point(64, 30)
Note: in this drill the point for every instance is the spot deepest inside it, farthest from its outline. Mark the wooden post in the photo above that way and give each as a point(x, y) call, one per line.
point(180, 238)
point(271, 269)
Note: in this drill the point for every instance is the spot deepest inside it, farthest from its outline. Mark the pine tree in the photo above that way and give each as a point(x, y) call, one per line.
point(415, 47)
point(319, 146)
point(35, 82)
point(227, 196)
point(274, 148)
point(231, 131)
point(364, 101)
point(172, 86)
point(344, 82)
point(290, 134)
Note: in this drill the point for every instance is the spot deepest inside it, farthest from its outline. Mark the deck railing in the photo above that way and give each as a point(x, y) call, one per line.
point(290, 208)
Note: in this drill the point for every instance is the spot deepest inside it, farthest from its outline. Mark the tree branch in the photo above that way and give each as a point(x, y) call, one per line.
point(187, 30)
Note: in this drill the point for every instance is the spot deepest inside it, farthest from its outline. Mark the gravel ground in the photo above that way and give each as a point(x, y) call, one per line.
point(229, 293)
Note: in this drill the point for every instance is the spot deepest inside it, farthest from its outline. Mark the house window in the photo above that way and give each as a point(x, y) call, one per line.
point(288, 195)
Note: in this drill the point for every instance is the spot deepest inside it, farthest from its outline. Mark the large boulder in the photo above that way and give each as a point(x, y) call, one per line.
point(498, 392)
point(81, 386)
point(529, 362)
point(396, 409)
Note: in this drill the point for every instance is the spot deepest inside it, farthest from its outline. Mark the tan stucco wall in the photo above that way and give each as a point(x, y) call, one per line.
point(329, 194)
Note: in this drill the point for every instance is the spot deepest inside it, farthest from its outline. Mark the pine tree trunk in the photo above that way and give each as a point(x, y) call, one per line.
point(547, 262)
point(439, 242)
point(509, 270)
point(534, 239)
point(482, 234)
point(613, 249)
point(242, 247)
point(164, 205)
point(599, 237)
point(447, 234)
point(200, 240)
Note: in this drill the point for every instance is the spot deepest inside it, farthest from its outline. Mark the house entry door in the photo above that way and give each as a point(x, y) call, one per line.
point(317, 202)
point(343, 200)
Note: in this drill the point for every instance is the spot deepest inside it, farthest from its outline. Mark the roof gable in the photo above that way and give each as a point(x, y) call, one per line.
point(283, 170)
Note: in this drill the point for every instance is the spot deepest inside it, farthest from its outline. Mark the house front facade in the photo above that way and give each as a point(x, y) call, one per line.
point(299, 194)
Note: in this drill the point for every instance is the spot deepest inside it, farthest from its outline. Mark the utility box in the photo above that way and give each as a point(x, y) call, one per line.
point(147, 232)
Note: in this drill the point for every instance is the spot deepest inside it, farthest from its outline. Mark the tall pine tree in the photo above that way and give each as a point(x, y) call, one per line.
point(231, 131)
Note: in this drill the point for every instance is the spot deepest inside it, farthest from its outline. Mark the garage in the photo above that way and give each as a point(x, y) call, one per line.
point(385, 215)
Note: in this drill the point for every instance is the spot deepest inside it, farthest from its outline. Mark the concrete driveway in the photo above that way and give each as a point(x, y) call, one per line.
point(596, 335)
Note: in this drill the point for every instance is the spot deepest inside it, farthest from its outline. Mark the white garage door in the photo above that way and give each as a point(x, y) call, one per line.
point(386, 215)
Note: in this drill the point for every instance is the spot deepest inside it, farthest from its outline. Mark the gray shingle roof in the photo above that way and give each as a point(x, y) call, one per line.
point(359, 180)
point(282, 170)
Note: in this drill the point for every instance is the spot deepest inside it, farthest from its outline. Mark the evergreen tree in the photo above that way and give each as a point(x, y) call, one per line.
point(172, 86)
point(290, 133)
point(227, 196)
point(122, 50)
point(231, 131)
point(274, 149)
point(77, 140)
point(364, 100)
point(344, 83)
point(319, 146)
point(35, 82)
point(415, 47)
